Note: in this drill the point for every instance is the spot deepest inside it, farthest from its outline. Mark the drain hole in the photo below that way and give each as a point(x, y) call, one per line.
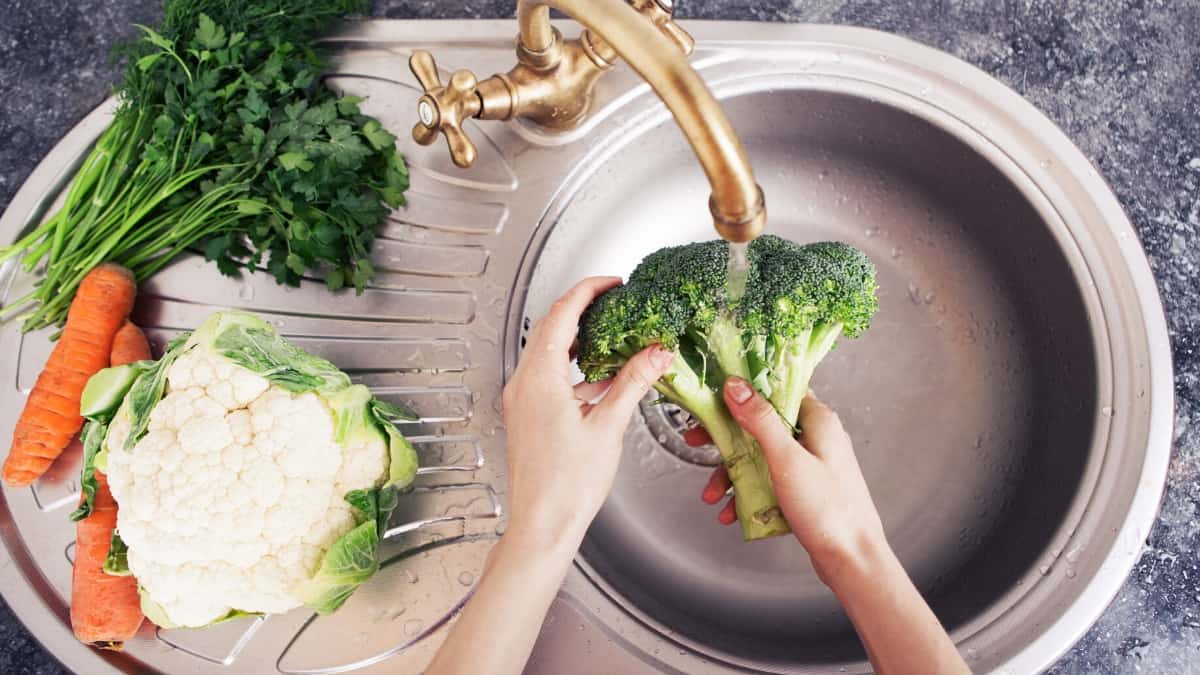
point(667, 422)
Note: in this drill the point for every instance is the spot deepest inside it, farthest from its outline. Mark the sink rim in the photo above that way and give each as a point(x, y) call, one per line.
point(1000, 125)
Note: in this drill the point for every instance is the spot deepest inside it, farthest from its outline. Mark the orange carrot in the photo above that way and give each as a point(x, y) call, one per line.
point(129, 345)
point(51, 415)
point(105, 609)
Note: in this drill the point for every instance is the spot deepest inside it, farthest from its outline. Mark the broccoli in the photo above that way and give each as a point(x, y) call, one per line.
point(798, 300)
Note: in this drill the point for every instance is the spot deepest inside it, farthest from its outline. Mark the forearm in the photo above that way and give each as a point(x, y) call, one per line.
point(496, 631)
point(897, 627)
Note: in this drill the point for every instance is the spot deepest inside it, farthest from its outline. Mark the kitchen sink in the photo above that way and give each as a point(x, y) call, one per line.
point(1011, 404)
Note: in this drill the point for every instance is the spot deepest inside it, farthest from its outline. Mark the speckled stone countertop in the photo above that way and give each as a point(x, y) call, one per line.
point(1122, 78)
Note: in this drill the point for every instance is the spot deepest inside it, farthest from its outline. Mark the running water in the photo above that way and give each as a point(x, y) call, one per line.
point(739, 269)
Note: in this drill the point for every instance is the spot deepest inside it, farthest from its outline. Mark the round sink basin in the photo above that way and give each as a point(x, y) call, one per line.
point(1010, 405)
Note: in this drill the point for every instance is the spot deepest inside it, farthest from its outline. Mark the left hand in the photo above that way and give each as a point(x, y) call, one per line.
point(563, 449)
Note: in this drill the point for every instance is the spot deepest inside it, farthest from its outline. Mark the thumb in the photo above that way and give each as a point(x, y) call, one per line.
point(635, 379)
point(758, 417)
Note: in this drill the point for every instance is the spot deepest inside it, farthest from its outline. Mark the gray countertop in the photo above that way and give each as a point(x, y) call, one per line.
point(1122, 78)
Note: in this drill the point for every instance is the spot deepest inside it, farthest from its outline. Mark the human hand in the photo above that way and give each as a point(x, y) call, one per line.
point(563, 449)
point(817, 479)
point(825, 500)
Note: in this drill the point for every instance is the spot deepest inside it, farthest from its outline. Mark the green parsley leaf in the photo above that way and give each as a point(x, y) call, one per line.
point(253, 108)
point(294, 160)
point(348, 105)
point(335, 279)
point(377, 136)
point(209, 34)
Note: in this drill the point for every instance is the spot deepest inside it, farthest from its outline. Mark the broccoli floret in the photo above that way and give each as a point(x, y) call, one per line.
point(798, 301)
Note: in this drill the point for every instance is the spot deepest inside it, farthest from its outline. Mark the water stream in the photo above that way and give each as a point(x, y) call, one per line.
point(739, 268)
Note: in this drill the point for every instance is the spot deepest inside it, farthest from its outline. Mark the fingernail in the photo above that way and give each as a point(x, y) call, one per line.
point(661, 357)
point(739, 389)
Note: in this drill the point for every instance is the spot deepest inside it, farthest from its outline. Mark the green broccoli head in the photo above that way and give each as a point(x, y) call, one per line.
point(672, 292)
point(794, 288)
point(675, 295)
point(799, 299)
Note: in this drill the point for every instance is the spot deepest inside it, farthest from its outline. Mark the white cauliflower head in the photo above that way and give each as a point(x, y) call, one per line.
point(237, 489)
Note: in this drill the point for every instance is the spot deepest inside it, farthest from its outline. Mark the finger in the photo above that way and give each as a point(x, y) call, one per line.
point(821, 427)
point(636, 378)
point(718, 485)
point(756, 415)
point(785, 456)
point(590, 391)
point(555, 332)
point(696, 437)
point(728, 514)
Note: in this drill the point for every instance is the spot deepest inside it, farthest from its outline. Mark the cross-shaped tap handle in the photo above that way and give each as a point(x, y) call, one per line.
point(443, 108)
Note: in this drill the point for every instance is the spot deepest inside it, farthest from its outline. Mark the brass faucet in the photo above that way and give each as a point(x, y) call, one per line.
point(552, 85)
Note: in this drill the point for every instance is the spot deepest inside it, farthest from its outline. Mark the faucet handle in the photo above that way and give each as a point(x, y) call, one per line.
point(661, 14)
point(443, 108)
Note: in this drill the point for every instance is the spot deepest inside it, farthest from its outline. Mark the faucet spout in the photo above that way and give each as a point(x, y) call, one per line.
point(737, 205)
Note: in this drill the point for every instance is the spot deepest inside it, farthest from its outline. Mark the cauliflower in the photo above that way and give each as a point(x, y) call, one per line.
point(253, 475)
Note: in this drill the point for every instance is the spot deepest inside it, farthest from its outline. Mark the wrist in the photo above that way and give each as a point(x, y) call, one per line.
point(863, 558)
point(542, 540)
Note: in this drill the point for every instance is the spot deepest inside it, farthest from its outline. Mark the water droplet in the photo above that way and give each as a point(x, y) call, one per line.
point(1070, 573)
point(872, 231)
point(466, 578)
point(1044, 570)
point(897, 251)
point(972, 654)
point(580, 626)
point(1107, 411)
point(411, 576)
point(246, 292)
point(978, 441)
point(928, 297)
point(413, 627)
point(1046, 163)
point(1073, 554)
point(914, 294)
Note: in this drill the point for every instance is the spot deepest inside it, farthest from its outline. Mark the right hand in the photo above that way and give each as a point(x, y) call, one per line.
point(817, 479)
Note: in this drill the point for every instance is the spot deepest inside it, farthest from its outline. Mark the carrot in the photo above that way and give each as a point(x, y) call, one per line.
point(51, 415)
point(129, 345)
point(105, 609)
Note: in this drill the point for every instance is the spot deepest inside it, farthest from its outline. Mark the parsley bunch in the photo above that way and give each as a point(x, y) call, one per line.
point(226, 143)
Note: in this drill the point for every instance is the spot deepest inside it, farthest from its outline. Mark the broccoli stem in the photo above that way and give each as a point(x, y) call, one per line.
point(757, 506)
point(793, 365)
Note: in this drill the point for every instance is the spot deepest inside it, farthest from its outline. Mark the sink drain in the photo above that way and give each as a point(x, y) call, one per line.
point(667, 422)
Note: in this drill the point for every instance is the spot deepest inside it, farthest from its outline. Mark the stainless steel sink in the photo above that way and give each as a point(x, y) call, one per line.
point(1011, 404)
